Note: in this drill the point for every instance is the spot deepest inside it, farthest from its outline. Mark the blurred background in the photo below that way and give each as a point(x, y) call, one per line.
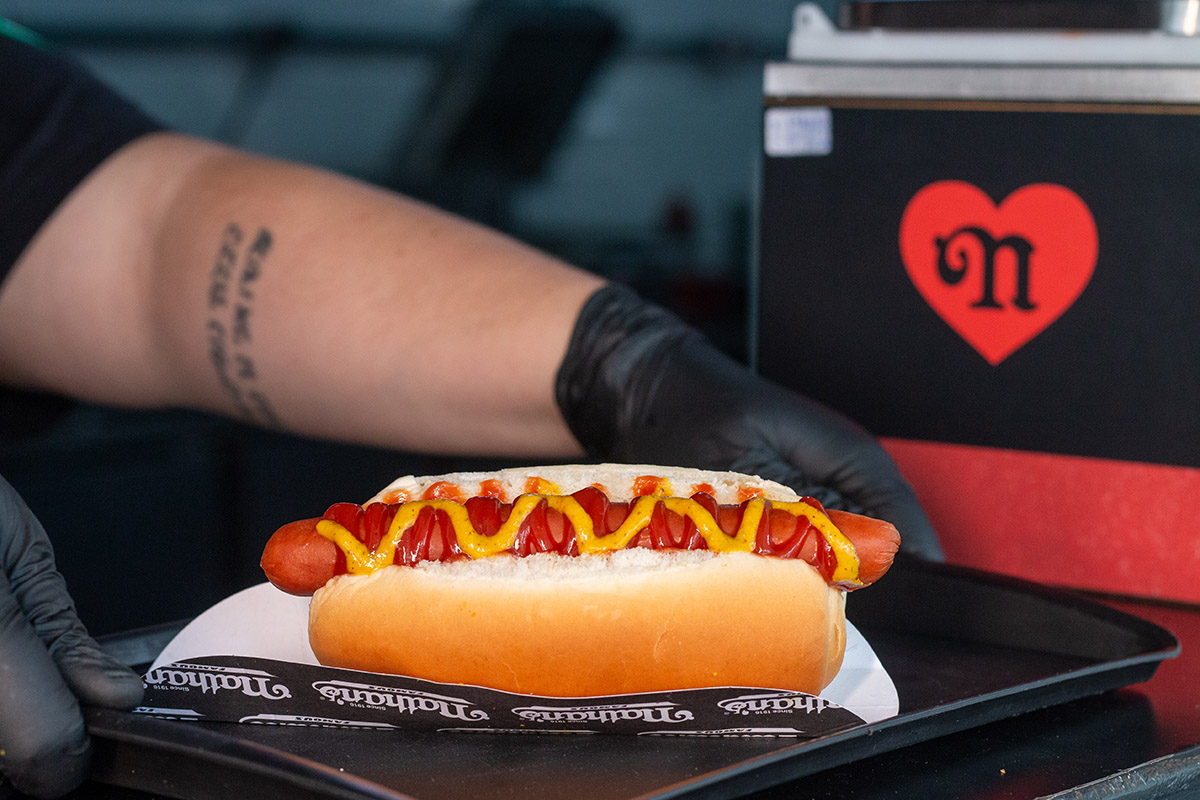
point(621, 135)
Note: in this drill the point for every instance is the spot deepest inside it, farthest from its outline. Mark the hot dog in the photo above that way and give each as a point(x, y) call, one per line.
point(583, 580)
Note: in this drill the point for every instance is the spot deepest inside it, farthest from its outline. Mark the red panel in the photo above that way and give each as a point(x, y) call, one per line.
point(1111, 526)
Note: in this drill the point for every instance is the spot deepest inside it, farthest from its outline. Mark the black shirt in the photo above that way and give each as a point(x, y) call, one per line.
point(57, 123)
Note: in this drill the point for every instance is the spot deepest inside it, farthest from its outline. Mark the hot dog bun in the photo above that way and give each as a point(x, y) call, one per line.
point(607, 623)
point(632, 621)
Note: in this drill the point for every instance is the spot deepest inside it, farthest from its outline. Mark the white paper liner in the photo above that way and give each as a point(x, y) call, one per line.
point(264, 622)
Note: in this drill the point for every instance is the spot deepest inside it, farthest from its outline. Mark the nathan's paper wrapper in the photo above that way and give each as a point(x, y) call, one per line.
point(247, 660)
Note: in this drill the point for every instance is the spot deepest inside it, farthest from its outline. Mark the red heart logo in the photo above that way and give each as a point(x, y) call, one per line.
point(998, 275)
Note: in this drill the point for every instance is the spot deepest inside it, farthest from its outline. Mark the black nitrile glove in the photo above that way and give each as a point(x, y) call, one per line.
point(638, 385)
point(48, 663)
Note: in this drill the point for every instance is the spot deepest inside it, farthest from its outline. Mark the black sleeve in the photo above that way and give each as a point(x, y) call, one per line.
point(57, 123)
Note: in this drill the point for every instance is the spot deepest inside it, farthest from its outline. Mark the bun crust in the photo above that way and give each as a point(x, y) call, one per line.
point(619, 622)
point(617, 480)
point(596, 625)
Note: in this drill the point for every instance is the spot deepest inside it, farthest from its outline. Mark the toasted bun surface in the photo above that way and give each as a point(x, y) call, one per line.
point(630, 621)
point(612, 623)
point(616, 479)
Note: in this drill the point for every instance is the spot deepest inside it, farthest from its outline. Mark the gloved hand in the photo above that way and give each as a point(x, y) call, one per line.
point(639, 385)
point(48, 663)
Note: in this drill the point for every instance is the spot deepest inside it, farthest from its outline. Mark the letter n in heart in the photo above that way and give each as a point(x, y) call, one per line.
point(998, 274)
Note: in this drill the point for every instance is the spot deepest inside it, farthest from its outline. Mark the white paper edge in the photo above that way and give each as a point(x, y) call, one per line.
point(263, 622)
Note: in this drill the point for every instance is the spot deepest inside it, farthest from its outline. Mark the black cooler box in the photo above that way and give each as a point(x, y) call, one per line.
point(985, 247)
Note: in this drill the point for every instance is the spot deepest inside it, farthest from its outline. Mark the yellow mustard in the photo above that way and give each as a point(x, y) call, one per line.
point(360, 560)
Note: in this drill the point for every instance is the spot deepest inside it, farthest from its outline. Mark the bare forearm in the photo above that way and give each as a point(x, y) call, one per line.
point(296, 298)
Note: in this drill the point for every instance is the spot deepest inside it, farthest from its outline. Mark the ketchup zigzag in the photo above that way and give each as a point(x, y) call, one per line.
point(439, 528)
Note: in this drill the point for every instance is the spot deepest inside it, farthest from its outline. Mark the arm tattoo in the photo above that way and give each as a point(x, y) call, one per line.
point(230, 317)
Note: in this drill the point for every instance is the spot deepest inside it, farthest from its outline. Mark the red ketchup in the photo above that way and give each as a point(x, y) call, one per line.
point(432, 538)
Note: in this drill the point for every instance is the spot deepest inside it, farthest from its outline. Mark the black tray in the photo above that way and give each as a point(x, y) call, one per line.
point(964, 648)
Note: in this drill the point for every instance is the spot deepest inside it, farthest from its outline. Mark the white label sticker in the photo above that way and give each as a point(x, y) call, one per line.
point(798, 131)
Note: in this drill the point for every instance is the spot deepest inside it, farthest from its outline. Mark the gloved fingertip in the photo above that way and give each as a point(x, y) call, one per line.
point(918, 538)
point(900, 506)
point(99, 679)
point(927, 551)
point(121, 691)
